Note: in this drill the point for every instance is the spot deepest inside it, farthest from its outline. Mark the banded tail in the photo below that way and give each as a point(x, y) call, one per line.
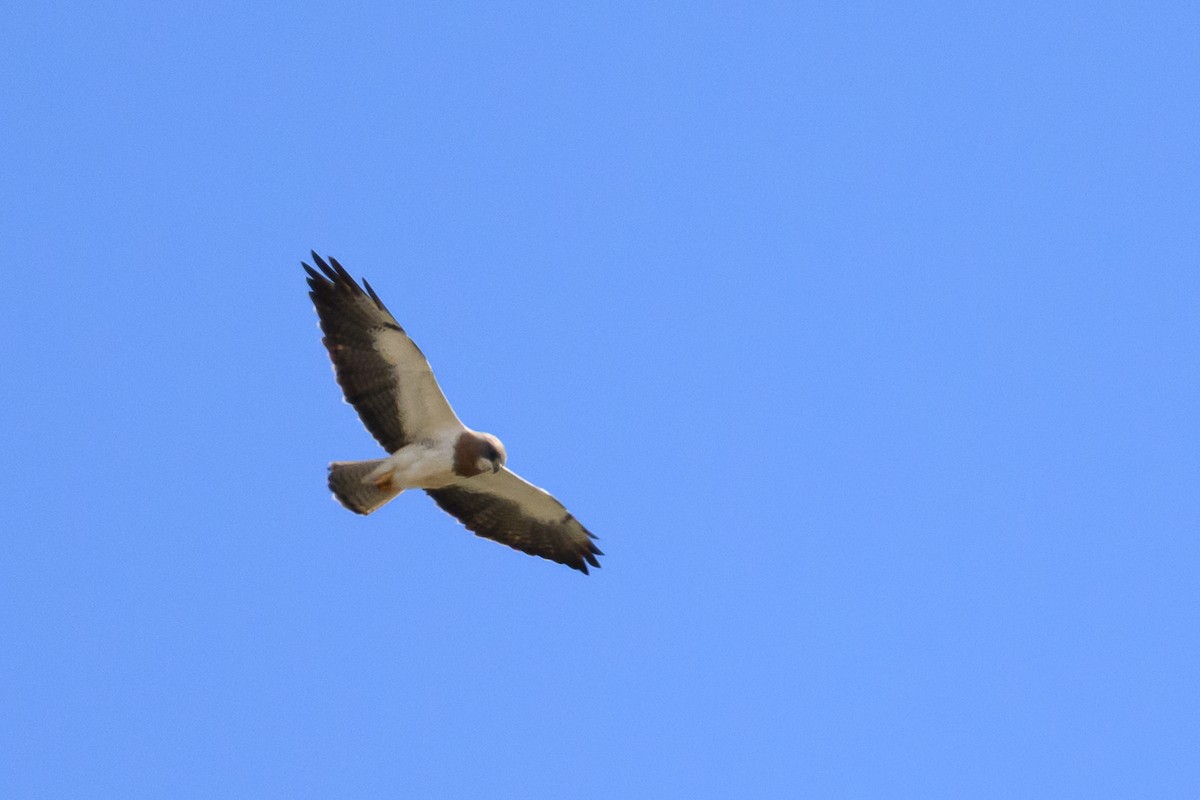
point(347, 481)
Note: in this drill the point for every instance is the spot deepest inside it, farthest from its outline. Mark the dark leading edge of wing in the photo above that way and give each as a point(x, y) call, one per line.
point(565, 540)
point(351, 320)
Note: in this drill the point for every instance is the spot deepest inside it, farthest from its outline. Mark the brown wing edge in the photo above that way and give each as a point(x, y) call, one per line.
point(502, 521)
point(336, 277)
point(348, 315)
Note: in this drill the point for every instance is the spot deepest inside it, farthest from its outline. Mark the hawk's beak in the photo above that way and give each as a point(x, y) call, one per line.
point(496, 465)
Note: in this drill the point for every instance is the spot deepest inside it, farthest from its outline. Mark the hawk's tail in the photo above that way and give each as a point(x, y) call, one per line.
point(349, 484)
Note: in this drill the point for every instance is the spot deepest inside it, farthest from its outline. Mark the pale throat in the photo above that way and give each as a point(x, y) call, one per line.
point(473, 453)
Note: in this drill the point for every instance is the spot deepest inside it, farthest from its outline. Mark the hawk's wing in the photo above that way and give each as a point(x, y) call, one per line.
point(503, 507)
point(382, 373)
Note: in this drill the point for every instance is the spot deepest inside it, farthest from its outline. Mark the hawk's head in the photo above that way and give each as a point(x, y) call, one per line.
point(491, 453)
point(476, 453)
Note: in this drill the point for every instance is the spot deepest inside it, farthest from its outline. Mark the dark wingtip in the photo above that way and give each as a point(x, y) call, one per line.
point(318, 279)
point(331, 275)
point(339, 269)
point(314, 277)
point(334, 276)
point(375, 297)
point(585, 557)
point(592, 551)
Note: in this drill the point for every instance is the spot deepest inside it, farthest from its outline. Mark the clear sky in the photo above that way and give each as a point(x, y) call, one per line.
point(865, 336)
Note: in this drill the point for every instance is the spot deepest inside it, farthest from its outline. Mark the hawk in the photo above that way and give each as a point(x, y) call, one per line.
point(387, 379)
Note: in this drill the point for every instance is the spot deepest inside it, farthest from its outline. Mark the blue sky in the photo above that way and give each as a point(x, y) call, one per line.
point(864, 336)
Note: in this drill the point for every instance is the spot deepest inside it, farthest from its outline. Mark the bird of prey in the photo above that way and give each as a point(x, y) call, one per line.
point(385, 376)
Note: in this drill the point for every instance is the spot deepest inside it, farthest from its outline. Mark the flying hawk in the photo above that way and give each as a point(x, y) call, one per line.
point(385, 376)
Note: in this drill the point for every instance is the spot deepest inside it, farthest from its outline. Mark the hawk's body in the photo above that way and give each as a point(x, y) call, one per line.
point(386, 378)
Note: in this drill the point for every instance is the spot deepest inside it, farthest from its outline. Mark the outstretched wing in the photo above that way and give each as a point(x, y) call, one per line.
point(382, 373)
point(503, 507)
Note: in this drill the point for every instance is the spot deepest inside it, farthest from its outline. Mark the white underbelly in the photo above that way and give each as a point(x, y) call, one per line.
point(419, 466)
